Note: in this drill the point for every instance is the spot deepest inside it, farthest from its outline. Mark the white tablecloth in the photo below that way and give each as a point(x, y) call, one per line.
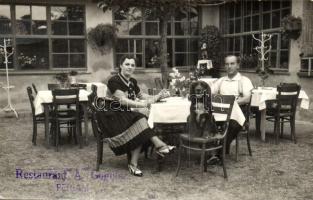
point(260, 95)
point(101, 88)
point(176, 110)
point(45, 96)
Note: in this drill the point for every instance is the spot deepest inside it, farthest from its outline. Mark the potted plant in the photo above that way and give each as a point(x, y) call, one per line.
point(62, 78)
point(102, 37)
point(292, 27)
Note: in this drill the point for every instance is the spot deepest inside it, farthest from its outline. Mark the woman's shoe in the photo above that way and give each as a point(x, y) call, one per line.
point(164, 150)
point(134, 170)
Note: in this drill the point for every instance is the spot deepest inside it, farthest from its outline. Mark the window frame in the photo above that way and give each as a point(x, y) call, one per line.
point(49, 36)
point(171, 36)
point(224, 24)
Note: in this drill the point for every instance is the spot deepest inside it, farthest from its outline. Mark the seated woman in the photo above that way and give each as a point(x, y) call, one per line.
point(128, 130)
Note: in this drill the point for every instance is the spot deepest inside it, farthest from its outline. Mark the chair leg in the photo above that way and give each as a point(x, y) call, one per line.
point(57, 135)
point(101, 152)
point(281, 127)
point(293, 129)
point(248, 143)
point(34, 133)
point(202, 159)
point(179, 160)
point(237, 148)
point(99, 156)
point(223, 161)
point(277, 130)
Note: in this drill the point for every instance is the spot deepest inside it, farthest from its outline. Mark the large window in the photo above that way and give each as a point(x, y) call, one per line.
point(139, 35)
point(44, 37)
point(243, 18)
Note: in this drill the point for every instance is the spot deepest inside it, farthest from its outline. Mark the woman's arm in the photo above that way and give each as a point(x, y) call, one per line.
point(121, 97)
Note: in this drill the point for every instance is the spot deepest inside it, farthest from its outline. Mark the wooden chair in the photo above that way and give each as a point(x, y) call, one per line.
point(63, 119)
point(100, 135)
point(52, 86)
point(34, 87)
point(283, 108)
point(79, 86)
point(37, 119)
point(221, 104)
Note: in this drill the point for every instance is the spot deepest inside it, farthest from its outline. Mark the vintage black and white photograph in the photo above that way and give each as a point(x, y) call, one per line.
point(156, 99)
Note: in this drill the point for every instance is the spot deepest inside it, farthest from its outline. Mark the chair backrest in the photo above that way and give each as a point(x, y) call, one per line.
point(223, 104)
point(31, 99)
point(52, 86)
point(66, 97)
point(153, 91)
point(34, 87)
point(288, 94)
point(79, 86)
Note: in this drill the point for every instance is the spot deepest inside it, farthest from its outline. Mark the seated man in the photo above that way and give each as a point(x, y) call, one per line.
point(233, 84)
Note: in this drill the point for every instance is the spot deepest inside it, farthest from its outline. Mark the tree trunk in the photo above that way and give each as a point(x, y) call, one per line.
point(163, 51)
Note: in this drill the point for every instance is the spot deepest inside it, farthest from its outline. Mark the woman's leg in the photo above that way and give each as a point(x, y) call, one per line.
point(157, 141)
point(135, 156)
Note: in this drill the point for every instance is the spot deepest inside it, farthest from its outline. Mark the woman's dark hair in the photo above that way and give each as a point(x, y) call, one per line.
point(123, 58)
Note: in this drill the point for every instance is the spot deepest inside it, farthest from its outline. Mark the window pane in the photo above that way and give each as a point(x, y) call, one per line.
point(151, 14)
point(247, 8)
point(60, 61)
point(58, 13)
point(152, 28)
point(77, 60)
point(169, 52)
point(273, 59)
point(247, 24)
point(32, 53)
point(39, 13)
point(180, 59)
point(59, 28)
point(286, 3)
point(255, 6)
point(22, 12)
point(284, 59)
point(152, 49)
point(2, 59)
point(238, 26)
point(75, 13)
point(193, 59)
point(194, 28)
point(230, 44)
point(180, 45)
point(135, 28)
point(122, 46)
point(179, 16)
point(194, 45)
point(5, 12)
point(23, 27)
point(77, 46)
point(266, 5)
point(138, 46)
point(231, 7)
point(231, 26)
point(59, 46)
point(274, 42)
point(238, 9)
point(237, 44)
point(255, 23)
point(39, 27)
point(285, 13)
point(139, 60)
point(275, 4)
point(275, 19)
point(76, 28)
point(304, 64)
point(284, 44)
point(181, 28)
point(267, 21)
point(5, 26)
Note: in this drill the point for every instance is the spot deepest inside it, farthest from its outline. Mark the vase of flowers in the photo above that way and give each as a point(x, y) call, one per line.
point(72, 77)
point(63, 79)
point(179, 84)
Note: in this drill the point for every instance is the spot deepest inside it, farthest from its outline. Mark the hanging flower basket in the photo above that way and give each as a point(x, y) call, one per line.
point(292, 27)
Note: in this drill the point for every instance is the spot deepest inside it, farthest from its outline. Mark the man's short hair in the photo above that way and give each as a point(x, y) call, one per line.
point(237, 58)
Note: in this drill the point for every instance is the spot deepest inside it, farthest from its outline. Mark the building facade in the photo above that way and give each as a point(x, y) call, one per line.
point(50, 37)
